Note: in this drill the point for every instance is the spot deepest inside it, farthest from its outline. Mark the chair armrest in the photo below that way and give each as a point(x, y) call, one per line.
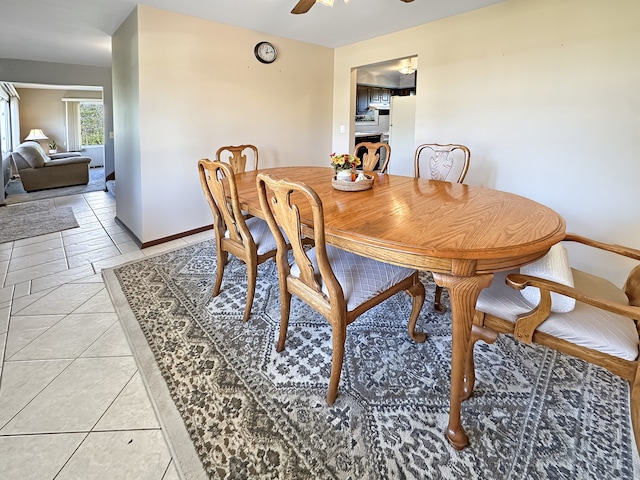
point(527, 323)
point(67, 161)
point(55, 156)
point(619, 249)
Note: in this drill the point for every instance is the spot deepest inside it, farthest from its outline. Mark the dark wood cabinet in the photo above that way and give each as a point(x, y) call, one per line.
point(380, 96)
point(374, 94)
point(403, 92)
point(366, 95)
point(362, 98)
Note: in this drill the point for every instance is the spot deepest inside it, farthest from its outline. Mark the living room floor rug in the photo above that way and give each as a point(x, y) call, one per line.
point(227, 398)
point(33, 219)
point(17, 194)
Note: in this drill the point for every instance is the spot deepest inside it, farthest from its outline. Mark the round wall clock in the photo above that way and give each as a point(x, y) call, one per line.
point(265, 52)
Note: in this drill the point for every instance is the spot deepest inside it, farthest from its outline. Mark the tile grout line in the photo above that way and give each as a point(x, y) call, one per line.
point(89, 218)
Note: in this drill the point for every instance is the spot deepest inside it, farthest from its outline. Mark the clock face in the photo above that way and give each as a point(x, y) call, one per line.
point(265, 52)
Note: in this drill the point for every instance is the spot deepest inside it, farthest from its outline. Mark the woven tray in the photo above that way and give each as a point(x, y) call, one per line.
point(347, 186)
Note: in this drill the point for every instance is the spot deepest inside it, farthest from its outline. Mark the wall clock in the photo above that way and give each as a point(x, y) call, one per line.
point(265, 52)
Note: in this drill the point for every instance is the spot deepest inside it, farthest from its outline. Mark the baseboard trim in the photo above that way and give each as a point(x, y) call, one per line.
point(164, 239)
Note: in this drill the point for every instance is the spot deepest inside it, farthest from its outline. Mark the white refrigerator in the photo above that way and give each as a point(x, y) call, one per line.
point(402, 130)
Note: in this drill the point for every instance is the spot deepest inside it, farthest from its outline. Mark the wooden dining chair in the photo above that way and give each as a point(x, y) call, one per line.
point(593, 320)
point(248, 238)
point(338, 284)
point(371, 153)
point(238, 156)
point(441, 160)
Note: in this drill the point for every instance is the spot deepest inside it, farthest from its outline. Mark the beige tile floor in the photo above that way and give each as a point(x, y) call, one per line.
point(72, 403)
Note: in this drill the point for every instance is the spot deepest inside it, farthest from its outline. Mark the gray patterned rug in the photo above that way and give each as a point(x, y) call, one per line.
point(33, 219)
point(252, 413)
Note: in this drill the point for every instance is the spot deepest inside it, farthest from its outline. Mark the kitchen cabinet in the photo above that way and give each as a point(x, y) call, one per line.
point(378, 96)
point(375, 94)
point(368, 137)
point(403, 92)
point(362, 99)
point(367, 95)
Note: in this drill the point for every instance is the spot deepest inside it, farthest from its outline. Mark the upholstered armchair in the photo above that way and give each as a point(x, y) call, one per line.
point(39, 171)
point(569, 310)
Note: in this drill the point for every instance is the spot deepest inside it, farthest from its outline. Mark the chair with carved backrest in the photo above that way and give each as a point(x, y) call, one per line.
point(441, 162)
point(238, 156)
point(371, 153)
point(577, 313)
point(340, 285)
point(248, 238)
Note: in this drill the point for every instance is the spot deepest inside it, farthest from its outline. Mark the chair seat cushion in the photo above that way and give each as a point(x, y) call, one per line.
point(361, 278)
point(261, 235)
point(585, 325)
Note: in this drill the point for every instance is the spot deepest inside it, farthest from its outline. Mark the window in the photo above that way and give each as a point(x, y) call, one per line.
point(5, 126)
point(85, 123)
point(91, 123)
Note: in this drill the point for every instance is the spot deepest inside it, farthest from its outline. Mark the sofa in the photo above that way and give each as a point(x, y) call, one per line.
point(39, 171)
point(6, 169)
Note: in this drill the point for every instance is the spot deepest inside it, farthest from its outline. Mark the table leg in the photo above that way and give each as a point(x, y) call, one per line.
point(463, 293)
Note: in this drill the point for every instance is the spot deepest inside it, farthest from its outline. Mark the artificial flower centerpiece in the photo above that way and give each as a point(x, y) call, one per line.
point(344, 165)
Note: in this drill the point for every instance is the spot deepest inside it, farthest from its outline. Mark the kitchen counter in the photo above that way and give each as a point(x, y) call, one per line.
point(367, 134)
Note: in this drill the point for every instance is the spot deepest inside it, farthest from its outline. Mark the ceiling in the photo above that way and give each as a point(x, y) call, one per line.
point(79, 31)
point(388, 73)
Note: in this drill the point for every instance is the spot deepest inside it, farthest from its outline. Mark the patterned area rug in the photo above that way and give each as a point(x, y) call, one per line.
point(253, 413)
point(33, 219)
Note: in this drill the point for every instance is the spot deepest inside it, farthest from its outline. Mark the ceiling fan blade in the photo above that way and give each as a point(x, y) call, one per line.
point(303, 6)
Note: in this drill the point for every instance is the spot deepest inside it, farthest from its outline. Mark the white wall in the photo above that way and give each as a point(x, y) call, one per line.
point(544, 93)
point(126, 122)
point(200, 87)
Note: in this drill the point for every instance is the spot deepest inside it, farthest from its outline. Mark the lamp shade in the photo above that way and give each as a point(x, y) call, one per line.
point(36, 134)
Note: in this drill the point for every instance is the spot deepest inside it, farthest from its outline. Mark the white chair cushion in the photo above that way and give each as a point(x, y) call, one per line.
point(261, 235)
point(585, 325)
point(553, 266)
point(361, 278)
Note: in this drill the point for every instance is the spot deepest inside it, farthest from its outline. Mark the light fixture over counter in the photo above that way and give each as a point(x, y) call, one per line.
point(408, 66)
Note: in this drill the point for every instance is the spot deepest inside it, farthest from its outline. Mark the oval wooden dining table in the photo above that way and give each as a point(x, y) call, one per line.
point(460, 233)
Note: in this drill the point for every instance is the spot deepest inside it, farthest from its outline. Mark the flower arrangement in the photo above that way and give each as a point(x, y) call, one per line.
point(344, 161)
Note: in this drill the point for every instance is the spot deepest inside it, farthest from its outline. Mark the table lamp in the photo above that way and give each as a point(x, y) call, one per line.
point(36, 135)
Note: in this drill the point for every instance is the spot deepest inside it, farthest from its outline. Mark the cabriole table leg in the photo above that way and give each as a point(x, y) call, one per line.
point(463, 293)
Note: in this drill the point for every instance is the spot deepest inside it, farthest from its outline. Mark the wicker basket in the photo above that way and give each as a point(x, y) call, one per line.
point(347, 186)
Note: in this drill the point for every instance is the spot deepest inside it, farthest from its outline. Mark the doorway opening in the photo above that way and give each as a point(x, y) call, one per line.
point(68, 119)
point(384, 111)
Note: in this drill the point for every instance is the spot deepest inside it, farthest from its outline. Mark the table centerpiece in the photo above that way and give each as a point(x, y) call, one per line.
point(346, 178)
